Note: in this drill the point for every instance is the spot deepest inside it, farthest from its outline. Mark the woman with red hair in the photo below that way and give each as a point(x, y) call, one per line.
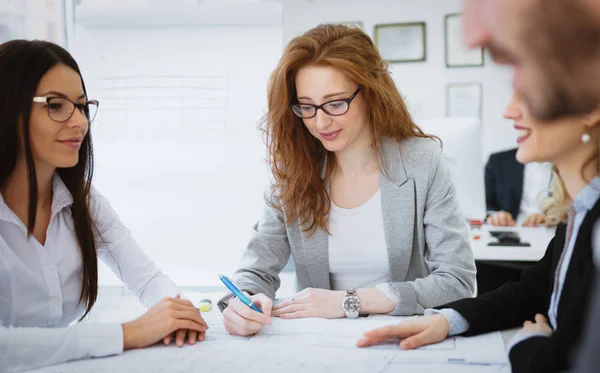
point(361, 198)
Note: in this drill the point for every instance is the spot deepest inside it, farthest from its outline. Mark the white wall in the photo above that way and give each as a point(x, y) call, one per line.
point(188, 181)
point(422, 83)
point(178, 153)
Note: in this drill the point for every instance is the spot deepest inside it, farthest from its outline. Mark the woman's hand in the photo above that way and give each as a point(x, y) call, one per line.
point(239, 319)
point(161, 321)
point(501, 219)
point(414, 333)
point(312, 302)
point(540, 325)
point(535, 220)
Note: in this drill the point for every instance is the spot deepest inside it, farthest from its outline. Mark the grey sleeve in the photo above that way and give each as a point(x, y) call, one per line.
point(267, 253)
point(448, 253)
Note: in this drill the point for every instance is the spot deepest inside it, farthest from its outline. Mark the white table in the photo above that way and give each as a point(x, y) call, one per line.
point(114, 307)
point(537, 237)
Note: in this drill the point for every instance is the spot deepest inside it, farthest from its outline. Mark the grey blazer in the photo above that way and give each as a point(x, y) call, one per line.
point(431, 262)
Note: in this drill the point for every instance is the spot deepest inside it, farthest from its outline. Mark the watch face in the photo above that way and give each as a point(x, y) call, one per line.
point(352, 304)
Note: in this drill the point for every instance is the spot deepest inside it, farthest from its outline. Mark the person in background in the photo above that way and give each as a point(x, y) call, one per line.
point(512, 190)
point(361, 198)
point(550, 299)
point(54, 226)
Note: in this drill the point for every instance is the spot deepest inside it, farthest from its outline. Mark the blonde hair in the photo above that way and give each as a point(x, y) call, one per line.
point(557, 204)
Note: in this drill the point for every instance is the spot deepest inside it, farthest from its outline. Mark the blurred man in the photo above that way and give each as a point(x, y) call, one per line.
point(554, 46)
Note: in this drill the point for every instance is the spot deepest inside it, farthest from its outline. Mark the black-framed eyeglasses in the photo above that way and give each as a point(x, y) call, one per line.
point(61, 109)
point(334, 108)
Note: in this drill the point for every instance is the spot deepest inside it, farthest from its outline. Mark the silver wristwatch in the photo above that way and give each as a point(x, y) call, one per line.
point(351, 304)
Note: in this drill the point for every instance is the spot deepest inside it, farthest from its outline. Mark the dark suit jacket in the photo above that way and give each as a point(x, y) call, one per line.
point(588, 358)
point(513, 303)
point(504, 182)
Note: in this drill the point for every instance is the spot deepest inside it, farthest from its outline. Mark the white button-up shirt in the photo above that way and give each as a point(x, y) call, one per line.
point(40, 285)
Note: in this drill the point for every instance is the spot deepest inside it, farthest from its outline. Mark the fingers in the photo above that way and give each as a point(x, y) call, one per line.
point(261, 301)
point(534, 220)
point(238, 325)
point(296, 315)
point(192, 337)
point(248, 313)
point(234, 329)
point(264, 303)
point(501, 219)
point(375, 336)
point(527, 323)
point(180, 305)
point(180, 337)
point(186, 324)
point(283, 304)
point(177, 303)
point(191, 316)
point(505, 219)
point(539, 318)
point(370, 341)
point(289, 309)
point(426, 337)
point(415, 333)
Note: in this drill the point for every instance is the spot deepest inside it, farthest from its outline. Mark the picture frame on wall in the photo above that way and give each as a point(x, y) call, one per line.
point(464, 100)
point(457, 53)
point(402, 42)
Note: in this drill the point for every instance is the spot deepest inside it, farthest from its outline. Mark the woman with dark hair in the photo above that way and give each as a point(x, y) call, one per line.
point(362, 199)
point(54, 226)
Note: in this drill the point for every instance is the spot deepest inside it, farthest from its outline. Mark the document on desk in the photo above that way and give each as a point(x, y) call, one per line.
point(230, 357)
point(292, 346)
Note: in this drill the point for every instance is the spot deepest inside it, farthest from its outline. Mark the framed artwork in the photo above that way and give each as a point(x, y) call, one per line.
point(464, 100)
point(402, 42)
point(457, 53)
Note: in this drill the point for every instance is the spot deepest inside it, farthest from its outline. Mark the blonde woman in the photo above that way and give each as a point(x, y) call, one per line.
point(551, 298)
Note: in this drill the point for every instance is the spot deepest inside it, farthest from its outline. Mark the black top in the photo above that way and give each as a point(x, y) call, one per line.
point(588, 358)
point(504, 182)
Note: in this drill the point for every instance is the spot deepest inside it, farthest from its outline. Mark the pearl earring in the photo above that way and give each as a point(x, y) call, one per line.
point(585, 138)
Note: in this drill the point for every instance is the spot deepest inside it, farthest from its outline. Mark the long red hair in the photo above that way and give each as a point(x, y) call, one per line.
point(296, 158)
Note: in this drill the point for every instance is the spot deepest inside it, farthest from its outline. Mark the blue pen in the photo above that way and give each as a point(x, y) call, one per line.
point(238, 293)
